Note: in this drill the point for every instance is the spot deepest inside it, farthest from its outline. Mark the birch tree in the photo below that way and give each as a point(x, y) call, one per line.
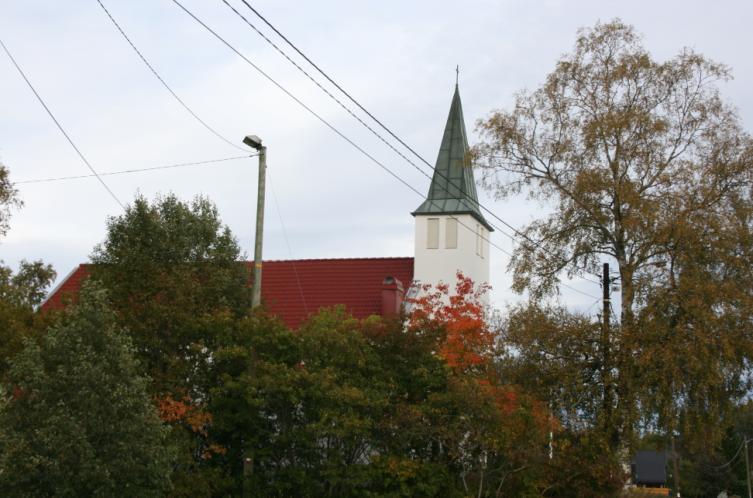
point(646, 166)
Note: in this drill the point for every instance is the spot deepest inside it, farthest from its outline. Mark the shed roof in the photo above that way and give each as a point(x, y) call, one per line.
point(650, 468)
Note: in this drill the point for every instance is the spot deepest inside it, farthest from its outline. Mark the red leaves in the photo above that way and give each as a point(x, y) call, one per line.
point(467, 344)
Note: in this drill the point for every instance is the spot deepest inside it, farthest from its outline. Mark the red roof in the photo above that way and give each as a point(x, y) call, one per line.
point(67, 290)
point(294, 289)
point(355, 283)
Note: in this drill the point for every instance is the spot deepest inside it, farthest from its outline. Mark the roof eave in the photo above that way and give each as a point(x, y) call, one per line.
point(474, 214)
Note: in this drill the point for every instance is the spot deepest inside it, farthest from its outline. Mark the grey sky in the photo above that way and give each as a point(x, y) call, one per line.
point(397, 58)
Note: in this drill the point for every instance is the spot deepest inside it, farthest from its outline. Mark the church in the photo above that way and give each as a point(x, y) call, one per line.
point(451, 235)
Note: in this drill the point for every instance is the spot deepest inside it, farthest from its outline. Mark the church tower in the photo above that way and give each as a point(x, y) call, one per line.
point(451, 232)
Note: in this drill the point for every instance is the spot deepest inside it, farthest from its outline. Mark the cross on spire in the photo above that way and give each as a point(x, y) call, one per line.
point(457, 74)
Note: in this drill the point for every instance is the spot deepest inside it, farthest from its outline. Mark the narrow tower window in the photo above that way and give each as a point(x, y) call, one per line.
point(432, 233)
point(451, 235)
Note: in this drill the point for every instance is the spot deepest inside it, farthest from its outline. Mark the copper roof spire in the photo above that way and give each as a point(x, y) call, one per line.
point(453, 189)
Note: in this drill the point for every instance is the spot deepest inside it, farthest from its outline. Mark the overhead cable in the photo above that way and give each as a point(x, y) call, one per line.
point(332, 127)
point(520, 234)
point(348, 110)
point(60, 127)
point(139, 170)
point(287, 242)
point(164, 83)
point(731, 460)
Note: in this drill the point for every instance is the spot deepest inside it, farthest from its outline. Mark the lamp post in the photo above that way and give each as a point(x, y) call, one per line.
point(255, 142)
point(747, 467)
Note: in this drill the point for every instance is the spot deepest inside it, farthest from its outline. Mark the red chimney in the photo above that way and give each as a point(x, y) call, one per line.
point(392, 296)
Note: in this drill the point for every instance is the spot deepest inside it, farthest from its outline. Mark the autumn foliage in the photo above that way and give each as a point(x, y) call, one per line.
point(173, 410)
point(639, 162)
point(467, 344)
point(511, 425)
point(466, 341)
point(186, 413)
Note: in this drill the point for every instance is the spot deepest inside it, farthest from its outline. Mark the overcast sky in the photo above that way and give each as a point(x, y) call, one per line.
point(398, 58)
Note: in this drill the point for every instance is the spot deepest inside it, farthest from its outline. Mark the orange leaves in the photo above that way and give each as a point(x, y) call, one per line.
point(213, 449)
point(507, 400)
point(182, 411)
point(467, 343)
point(185, 413)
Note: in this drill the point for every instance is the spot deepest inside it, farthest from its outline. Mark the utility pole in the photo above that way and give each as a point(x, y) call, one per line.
point(606, 353)
point(676, 467)
point(551, 426)
point(255, 142)
point(248, 470)
point(747, 467)
point(605, 284)
point(606, 291)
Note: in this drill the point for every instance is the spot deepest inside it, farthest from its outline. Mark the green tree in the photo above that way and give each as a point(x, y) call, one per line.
point(20, 294)
point(705, 471)
point(176, 281)
point(303, 406)
point(644, 165)
point(79, 420)
point(20, 291)
point(703, 314)
point(490, 430)
point(8, 199)
point(171, 270)
point(347, 407)
point(553, 354)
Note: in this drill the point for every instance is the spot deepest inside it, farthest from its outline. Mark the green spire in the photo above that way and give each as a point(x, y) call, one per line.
point(453, 190)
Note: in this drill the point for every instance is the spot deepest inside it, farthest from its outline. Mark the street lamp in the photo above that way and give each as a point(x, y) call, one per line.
point(255, 142)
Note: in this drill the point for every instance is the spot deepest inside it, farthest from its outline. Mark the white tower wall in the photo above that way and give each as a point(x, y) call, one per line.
point(433, 265)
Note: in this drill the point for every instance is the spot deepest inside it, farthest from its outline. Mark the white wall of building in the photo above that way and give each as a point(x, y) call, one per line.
point(440, 264)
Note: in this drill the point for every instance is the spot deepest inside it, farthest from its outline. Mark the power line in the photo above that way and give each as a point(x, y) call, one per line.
point(287, 242)
point(335, 130)
point(327, 92)
point(167, 87)
point(358, 104)
point(311, 111)
point(57, 123)
point(612, 312)
point(731, 460)
point(217, 134)
point(213, 131)
point(296, 99)
point(362, 108)
point(346, 108)
point(139, 170)
point(575, 289)
point(599, 300)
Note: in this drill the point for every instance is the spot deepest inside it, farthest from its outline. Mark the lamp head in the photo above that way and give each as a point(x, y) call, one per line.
point(253, 141)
